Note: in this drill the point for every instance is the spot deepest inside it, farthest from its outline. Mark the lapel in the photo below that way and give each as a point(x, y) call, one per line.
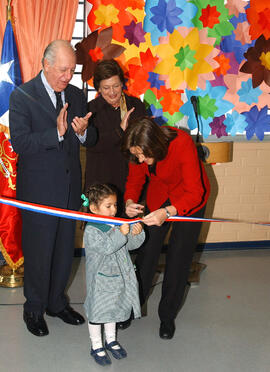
point(69, 100)
point(43, 98)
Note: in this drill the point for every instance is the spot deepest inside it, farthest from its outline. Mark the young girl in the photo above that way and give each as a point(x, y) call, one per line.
point(112, 290)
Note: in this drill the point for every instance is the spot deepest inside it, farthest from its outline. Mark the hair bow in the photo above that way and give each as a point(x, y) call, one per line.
point(86, 200)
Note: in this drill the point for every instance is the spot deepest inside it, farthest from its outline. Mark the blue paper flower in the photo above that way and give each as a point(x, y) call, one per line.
point(258, 122)
point(230, 44)
point(219, 107)
point(184, 18)
point(154, 80)
point(157, 113)
point(235, 123)
point(248, 94)
point(166, 15)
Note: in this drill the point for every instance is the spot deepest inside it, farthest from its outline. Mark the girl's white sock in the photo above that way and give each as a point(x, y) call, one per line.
point(110, 333)
point(95, 337)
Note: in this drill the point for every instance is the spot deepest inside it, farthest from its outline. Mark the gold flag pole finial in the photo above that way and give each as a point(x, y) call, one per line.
point(9, 11)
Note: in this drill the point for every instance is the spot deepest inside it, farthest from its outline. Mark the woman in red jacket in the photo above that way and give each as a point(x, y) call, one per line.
point(177, 184)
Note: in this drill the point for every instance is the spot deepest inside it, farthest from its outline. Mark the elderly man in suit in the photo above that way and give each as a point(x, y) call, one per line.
point(48, 121)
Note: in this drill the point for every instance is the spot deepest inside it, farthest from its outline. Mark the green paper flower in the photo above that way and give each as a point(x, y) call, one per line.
point(207, 106)
point(185, 58)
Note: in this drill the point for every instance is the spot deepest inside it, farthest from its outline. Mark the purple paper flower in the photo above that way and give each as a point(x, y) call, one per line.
point(166, 15)
point(134, 33)
point(218, 128)
point(258, 122)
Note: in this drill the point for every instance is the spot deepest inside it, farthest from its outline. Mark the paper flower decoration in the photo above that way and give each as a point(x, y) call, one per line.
point(211, 105)
point(210, 16)
point(235, 123)
point(138, 75)
point(258, 62)
point(186, 58)
point(224, 65)
point(234, 92)
point(213, 15)
point(227, 65)
point(218, 128)
point(234, 42)
point(171, 101)
point(154, 80)
point(248, 94)
point(134, 33)
point(236, 6)
point(96, 46)
point(258, 122)
point(165, 15)
point(113, 13)
point(258, 15)
point(157, 114)
point(206, 47)
point(242, 33)
point(165, 103)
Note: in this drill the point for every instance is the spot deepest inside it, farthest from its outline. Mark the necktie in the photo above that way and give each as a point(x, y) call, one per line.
point(59, 102)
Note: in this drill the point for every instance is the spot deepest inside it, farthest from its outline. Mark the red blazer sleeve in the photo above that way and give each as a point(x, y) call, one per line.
point(135, 181)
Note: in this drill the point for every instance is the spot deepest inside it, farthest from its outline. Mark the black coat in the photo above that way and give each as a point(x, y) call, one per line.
point(104, 162)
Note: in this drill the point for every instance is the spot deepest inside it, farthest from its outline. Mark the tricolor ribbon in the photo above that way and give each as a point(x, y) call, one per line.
point(81, 216)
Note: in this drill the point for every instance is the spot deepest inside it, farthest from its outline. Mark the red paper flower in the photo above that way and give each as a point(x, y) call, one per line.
point(171, 100)
point(258, 62)
point(258, 15)
point(224, 65)
point(138, 74)
point(209, 17)
point(96, 54)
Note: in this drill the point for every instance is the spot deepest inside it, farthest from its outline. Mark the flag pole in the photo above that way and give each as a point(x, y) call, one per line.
point(9, 10)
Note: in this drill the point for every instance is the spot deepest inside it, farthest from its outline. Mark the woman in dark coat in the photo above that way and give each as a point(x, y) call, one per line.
point(111, 111)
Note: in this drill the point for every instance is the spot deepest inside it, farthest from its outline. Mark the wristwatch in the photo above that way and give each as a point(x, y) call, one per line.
point(167, 212)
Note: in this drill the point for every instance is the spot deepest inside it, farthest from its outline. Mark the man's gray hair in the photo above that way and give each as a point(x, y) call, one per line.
point(51, 50)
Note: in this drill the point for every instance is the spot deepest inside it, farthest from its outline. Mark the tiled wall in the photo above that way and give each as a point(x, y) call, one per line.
point(240, 190)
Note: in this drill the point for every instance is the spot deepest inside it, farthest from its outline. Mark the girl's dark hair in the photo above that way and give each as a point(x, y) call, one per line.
point(149, 136)
point(98, 192)
point(106, 69)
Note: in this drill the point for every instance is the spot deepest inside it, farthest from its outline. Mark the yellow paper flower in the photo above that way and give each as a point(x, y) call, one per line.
point(265, 58)
point(106, 15)
point(186, 57)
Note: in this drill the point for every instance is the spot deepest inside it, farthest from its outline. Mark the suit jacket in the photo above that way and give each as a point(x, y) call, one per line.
point(112, 289)
point(179, 178)
point(48, 172)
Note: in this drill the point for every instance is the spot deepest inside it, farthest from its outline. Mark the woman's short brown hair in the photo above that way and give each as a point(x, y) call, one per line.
point(106, 69)
point(149, 136)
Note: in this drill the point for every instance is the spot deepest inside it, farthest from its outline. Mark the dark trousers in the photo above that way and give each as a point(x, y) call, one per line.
point(182, 243)
point(48, 248)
